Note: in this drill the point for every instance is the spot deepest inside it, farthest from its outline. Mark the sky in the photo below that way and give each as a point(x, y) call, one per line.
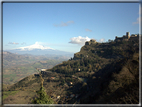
point(66, 26)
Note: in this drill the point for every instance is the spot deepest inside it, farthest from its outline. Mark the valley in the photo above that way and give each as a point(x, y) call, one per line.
point(16, 67)
point(101, 73)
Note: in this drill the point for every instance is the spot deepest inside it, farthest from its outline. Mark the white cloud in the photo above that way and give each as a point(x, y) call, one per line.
point(102, 40)
point(37, 45)
point(64, 24)
point(88, 30)
point(12, 43)
point(79, 40)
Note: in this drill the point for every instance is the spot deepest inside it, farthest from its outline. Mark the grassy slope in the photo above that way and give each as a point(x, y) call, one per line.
point(27, 87)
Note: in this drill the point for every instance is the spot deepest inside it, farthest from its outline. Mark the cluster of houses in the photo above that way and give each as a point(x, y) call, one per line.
point(127, 37)
point(92, 41)
point(43, 72)
point(117, 39)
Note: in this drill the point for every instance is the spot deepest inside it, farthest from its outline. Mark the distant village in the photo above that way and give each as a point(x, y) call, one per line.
point(126, 37)
point(43, 71)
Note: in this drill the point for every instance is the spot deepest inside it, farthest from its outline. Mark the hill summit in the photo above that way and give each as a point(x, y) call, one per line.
point(110, 49)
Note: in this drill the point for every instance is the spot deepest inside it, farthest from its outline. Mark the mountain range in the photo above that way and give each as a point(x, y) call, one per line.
point(38, 49)
point(40, 52)
point(24, 65)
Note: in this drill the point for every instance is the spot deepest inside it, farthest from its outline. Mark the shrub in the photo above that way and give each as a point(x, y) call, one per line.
point(43, 97)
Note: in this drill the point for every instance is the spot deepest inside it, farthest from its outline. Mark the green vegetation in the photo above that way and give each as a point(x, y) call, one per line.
point(101, 73)
point(8, 93)
point(43, 97)
point(14, 74)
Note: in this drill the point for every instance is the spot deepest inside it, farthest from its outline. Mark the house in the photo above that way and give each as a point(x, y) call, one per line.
point(58, 97)
point(43, 69)
point(72, 75)
point(45, 72)
point(92, 41)
point(87, 56)
point(87, 43)
point(127, 37)
point(71, 83)
point(78, 69)
point(36, 75)
point(52, 78)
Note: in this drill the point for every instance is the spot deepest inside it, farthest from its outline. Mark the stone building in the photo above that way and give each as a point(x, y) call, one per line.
point(134, 37)
point(36, 75)
point(92, 41)
point(87, 43)
point(127, 37)
point(45, 72)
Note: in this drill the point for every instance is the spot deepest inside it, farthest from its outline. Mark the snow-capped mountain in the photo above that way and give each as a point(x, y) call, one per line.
point(34, 46)
point(40, 52)
point(38, 49)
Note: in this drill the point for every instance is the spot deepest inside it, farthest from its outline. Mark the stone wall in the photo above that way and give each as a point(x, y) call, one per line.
point(127, 37)
point(92, 41)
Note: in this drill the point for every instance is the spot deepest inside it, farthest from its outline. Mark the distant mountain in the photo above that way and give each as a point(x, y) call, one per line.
point(16, 66)
point(13, 57)
point(38, 49)
point(50, 52)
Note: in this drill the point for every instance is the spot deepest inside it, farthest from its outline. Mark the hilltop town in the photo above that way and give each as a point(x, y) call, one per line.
point(126, 37)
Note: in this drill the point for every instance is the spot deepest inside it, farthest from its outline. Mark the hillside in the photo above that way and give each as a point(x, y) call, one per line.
point(101, 73)
point(12, 59)
point(16, 67)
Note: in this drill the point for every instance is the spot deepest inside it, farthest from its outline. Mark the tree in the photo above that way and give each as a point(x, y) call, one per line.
point(43, 97)
point(110, 40)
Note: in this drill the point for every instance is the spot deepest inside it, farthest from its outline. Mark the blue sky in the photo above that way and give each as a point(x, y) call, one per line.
point(66, 26)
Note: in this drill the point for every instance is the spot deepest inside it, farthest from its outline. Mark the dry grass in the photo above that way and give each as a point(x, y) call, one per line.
point(22, 97)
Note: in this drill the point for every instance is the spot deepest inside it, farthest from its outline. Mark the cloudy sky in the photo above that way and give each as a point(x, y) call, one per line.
point(66, 26)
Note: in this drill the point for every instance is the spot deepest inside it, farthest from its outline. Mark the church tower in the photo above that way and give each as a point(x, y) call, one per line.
point(128, 35)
